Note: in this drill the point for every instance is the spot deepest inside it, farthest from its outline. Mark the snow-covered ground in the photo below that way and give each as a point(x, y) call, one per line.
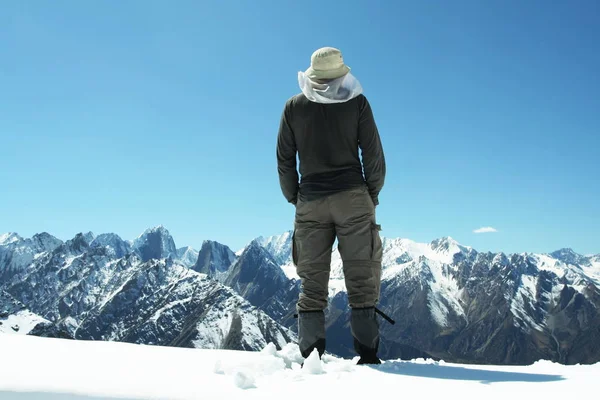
point(43, 368)
point(22, 322)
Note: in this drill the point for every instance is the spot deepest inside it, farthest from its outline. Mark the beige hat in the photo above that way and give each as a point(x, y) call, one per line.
point(327, 63)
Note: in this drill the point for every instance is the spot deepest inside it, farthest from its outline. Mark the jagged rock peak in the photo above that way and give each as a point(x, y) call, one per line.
point(155, 243)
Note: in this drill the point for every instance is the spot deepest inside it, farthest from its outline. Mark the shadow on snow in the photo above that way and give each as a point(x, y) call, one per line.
point(55, 396)
point(438, 371)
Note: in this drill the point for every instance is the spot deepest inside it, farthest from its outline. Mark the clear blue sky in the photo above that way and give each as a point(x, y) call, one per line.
point(116, 116)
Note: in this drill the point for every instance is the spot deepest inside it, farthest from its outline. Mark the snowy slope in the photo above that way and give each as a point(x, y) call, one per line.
point(256, 276)
point(82, 368)
point(22, 322)
point(594, 269)
point(169, 304)
point(15, 317)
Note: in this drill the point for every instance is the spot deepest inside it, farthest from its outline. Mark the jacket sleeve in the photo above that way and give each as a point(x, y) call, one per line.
point(286, 158)
point(371, 150)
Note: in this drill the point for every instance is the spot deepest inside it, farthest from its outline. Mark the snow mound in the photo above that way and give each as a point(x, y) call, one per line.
point(313, 364)
point(271, 361)
point(244, 379)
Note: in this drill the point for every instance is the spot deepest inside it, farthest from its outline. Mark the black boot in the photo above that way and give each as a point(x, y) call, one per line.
point(367, 356)
point(365, 331)
point(311, 332)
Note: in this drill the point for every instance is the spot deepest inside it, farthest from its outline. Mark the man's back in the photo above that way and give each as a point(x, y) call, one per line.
point(327, 139)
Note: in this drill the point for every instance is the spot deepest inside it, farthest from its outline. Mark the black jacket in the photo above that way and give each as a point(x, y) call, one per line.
point(327, 139)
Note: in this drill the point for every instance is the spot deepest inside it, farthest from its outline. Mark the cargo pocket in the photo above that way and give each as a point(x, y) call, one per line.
point(376, 245)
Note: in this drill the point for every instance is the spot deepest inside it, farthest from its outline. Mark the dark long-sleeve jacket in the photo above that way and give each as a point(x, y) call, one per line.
point(326, 139)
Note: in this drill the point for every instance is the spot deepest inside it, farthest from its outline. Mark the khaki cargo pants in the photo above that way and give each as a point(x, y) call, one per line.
point(348, 216)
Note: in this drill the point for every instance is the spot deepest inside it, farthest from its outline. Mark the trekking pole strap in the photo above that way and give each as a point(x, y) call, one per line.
point(388, 319)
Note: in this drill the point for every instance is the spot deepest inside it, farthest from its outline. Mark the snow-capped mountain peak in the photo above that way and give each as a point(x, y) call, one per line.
point(500, 259)
point(17, 253)
point(188, 256)
point(445, 243)
point(568, 256)
point(255, 274)
point(155, 243)
point(446, 248)
point(280, 246)
point(8, 238)
point(45, 241)
point(400, 251)
point(89, 237)
point(158, 228)
point(113, 242)
point(79, 244)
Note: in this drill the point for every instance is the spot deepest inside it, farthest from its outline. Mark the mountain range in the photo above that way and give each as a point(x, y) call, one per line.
point(449, 301)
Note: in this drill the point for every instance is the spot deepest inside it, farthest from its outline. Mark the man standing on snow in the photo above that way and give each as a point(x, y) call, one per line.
point(325, 126)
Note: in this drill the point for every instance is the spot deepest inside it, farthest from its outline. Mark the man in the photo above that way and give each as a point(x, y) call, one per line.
point(325, 126)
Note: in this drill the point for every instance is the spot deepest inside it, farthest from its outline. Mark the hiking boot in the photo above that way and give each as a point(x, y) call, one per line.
point(369, 360)
point(365, 330)
point(311, 332)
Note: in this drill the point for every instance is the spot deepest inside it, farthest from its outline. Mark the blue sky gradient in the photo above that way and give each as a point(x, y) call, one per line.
point(119, 116)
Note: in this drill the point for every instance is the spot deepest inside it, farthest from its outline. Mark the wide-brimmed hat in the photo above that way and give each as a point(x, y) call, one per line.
point(327, 63)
